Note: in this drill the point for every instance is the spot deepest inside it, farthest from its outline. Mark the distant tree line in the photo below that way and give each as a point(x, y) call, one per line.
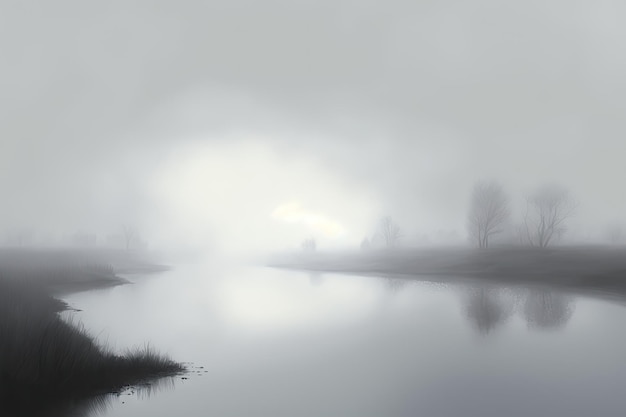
point(387, 235)
point(127, 238)
point(545, 218)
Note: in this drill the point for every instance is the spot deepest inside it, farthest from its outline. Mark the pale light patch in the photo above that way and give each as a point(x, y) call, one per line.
point(293, 212)
point(226, 194)
point(264, 303)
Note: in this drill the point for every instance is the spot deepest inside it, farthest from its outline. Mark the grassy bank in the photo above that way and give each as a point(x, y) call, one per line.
point(591, 269)
point(76, 266)
point(47, 362)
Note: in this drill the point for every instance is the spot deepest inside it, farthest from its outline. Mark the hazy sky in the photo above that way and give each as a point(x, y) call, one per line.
point(197, 120)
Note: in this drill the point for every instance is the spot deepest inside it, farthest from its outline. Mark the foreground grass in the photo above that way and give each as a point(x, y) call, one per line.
point(46, 361)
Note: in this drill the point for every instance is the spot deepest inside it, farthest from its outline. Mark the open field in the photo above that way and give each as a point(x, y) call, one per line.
point(592, 269)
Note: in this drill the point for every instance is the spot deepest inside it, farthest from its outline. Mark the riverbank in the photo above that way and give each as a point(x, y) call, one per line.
point(47, 362)
point(588, 269)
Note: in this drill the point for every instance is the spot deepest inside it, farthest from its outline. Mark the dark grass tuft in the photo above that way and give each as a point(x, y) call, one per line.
point(45, 359)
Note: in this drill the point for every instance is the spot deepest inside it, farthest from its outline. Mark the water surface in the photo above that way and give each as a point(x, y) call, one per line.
point(267, 342)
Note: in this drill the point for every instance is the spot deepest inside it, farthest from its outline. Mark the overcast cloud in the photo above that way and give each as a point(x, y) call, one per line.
point(383, 106)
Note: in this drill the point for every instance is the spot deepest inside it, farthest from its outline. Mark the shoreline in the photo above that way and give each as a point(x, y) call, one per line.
point(48, 363)
point(598, 271)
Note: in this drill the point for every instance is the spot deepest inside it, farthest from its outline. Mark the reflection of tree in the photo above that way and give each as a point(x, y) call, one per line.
point(547, 310)
point(315, 279)
point(47, 405)
point(309, 245)
point(486, 308)
point(95, 406)
point(395, 284)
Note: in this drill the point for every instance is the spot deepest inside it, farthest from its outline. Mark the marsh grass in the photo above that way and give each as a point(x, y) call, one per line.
point(46, 360)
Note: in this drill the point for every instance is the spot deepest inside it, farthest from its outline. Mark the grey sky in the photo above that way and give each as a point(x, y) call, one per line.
point(413, 100)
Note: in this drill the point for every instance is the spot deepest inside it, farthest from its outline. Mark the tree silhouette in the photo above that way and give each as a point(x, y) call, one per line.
point(546, 213)
point(131, 236)
point(389, 232)
point(488, 212)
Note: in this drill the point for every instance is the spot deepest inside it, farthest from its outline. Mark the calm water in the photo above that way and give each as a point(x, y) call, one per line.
point(283, 343)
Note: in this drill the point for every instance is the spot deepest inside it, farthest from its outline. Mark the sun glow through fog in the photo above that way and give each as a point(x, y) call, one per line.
point(242, 196)
point(317, 223)
point(270, 301)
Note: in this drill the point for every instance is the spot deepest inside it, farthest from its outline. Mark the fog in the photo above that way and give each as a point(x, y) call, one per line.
point(249, 126)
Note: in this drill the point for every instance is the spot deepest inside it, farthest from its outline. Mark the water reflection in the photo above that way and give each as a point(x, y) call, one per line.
point(146, 390)
point(57, 407)
point(316, 279)
point(487, 308)
point(395, 284)
point(546, 309)
point(86, 407)
point(365, 345)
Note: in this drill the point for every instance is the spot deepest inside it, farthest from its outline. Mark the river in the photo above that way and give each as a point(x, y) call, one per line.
point(269, 342)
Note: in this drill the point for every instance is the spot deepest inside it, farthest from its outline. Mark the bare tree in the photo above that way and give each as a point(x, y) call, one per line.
point(130, 235)
point(389, 231)
point(309, 245)
point(615, 233)
point(488, 212)
point(546, 213)
point(19, 237)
